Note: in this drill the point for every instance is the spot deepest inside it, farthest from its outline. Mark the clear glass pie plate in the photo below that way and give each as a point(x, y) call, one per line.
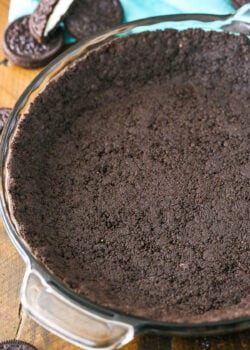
point(46, 300)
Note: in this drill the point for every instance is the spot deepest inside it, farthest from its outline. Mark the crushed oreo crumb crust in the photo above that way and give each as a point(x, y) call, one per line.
point(139, 199)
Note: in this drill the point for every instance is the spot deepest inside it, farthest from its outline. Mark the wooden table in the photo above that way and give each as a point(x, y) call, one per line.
point(14, 323)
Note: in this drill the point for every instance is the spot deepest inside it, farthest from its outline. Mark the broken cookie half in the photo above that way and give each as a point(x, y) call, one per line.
point(46, 17)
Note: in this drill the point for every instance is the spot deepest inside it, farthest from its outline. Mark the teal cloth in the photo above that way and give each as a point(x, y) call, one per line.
point(135, 9)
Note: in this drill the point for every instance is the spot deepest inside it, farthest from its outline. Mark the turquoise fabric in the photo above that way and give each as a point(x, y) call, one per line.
point(135, 9)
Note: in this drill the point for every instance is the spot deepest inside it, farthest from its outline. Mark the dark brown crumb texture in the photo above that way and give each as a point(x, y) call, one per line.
point(138, 197)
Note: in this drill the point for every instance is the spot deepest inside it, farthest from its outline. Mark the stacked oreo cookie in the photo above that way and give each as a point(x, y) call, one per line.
point(32, 41)
point(16, 345)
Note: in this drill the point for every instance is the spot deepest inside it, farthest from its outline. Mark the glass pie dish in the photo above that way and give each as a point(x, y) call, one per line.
point(48, 301)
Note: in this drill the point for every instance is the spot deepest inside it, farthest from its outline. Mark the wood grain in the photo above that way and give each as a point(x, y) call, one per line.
point(14, 323)
point(13, 79)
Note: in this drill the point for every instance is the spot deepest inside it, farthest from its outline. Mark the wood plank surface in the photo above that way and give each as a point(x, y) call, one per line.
point(14, 323)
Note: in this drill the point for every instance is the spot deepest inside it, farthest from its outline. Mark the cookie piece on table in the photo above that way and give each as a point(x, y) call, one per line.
point(22, 49)
point(92, 16)
point(4, 115)
point(16, 345)
point(46, 17)
point(239, 3)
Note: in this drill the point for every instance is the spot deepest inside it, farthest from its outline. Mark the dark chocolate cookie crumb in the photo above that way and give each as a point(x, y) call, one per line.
point(89, 17)
point(138, 193)
point(22, 49)
point(4, 62)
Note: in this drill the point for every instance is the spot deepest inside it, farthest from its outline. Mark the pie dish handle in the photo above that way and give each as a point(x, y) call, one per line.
point(69, 320)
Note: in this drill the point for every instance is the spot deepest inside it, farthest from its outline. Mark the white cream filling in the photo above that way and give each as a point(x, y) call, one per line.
point(61, 7)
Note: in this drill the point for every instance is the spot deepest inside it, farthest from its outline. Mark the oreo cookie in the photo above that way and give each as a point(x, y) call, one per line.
point(22, 49)
point(239, 3)
point(92, 16)
point(46, 17)
point(4, 115)
point(16, 345)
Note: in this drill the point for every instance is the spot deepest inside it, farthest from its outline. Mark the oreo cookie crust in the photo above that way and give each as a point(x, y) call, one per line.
point(22, 49)
point(89, 17)
point(140, 191)
point(46, 17)
point(16, 345)
point(239, 3)
point(4, 115)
